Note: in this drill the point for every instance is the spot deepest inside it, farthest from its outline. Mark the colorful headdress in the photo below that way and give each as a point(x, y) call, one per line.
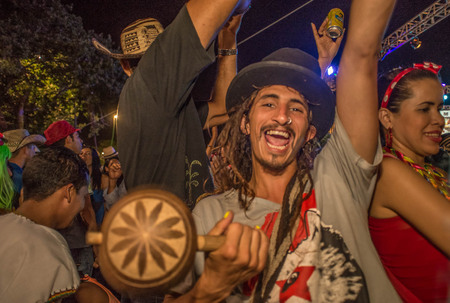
point(424, 66)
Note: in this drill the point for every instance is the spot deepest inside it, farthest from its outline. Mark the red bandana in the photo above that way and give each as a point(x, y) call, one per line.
point(426, 66)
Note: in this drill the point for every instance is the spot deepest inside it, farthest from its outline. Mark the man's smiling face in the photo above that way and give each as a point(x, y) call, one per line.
point(278, 127)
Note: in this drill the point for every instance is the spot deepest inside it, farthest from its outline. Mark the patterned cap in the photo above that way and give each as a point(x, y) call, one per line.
point(135, 39)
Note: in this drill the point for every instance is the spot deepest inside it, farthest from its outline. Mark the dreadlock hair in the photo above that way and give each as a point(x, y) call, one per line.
point(235, 172)
point(6, 183)
point(235, 165)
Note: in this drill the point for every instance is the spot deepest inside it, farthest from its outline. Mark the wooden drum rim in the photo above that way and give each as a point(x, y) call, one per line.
point(144, 201)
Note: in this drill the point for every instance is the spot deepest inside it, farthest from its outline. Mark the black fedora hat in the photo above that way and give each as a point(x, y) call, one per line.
point(293, 68)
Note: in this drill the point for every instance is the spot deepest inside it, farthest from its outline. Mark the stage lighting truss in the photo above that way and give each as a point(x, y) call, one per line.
point(426, 19)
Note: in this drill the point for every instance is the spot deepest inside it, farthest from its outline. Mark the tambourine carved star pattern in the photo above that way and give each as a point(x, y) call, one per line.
point(143, 236)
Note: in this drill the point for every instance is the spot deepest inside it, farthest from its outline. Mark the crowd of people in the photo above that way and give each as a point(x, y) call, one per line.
point(321, 194)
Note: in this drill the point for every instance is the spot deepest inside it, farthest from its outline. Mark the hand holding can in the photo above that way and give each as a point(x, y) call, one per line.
point(335, 26)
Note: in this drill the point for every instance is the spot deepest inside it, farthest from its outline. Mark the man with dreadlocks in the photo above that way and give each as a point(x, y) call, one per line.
point(314, 209)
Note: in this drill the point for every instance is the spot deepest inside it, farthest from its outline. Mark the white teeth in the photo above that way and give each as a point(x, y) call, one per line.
point(433, 135)
point(278, 133)
point(276, 146)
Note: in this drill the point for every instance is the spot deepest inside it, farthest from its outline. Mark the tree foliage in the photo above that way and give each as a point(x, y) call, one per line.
point(49, 69)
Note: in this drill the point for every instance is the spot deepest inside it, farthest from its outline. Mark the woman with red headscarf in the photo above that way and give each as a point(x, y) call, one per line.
point(410, 217)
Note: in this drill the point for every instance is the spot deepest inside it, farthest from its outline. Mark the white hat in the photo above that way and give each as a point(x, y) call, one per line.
point(109, 152)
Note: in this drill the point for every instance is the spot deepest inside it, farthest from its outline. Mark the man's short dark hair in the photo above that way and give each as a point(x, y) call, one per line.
point(61, 142)
point(52, 169)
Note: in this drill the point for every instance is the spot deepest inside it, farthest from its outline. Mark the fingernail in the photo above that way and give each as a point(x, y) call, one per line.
point(257, 227)
point(226, 214)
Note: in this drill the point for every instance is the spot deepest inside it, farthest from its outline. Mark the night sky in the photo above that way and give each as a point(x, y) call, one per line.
point(111, 16)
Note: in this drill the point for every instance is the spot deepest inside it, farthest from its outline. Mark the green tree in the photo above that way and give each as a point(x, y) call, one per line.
point(49, 69)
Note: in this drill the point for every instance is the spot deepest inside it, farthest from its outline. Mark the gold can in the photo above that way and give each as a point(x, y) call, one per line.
point(335, 26)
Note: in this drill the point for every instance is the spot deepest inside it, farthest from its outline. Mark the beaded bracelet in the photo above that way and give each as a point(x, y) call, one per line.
point(227, 52)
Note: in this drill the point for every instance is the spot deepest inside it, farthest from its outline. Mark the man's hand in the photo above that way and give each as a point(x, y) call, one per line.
point(240, 258)
point(242, 7)
point(227, 35)
point(326, 47)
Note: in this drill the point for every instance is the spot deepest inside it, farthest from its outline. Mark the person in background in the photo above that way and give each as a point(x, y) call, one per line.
point(6, 183)
point(410, 210)
point(36, 264)
point(91, 158)
point(113, 183)
point(62, 134)
point(169, 152)
point(94, 288)
point(23, 147)
point(91, 291)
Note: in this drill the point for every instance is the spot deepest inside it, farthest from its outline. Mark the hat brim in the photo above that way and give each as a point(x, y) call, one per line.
point(49, 142)
point(118, 56)
point(31, 139)
point(322, 101)
point(111, 155)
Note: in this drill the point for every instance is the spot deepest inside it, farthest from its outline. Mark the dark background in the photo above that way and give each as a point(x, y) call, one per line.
point(111, 16)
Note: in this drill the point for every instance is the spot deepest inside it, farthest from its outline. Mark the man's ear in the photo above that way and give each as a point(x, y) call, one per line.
point(385, 117)
point(245, 127)
point(312, 131)
point(68, 140)
point(68, 192)
point(126, 67)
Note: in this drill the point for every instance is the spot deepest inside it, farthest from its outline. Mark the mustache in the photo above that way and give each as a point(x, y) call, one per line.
point(277, 126)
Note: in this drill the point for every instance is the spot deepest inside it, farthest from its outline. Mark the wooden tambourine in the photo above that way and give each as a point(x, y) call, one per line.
point(147, 242)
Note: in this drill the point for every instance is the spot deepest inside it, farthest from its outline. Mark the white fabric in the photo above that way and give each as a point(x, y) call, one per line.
point(35, 261)
point(344, 184)
point(114, 196)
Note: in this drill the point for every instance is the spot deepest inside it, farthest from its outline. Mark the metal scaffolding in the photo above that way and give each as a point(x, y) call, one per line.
point(426, 19)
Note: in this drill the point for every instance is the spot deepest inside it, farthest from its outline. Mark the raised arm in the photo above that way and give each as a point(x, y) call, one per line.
point(226, 70)
point(357, 78)
point(327, 48)
point(209, 16)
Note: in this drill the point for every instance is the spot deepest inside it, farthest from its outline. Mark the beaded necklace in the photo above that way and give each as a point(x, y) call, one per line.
point(434, 175)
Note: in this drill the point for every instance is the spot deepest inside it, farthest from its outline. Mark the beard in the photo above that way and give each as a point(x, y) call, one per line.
point(274, 166)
